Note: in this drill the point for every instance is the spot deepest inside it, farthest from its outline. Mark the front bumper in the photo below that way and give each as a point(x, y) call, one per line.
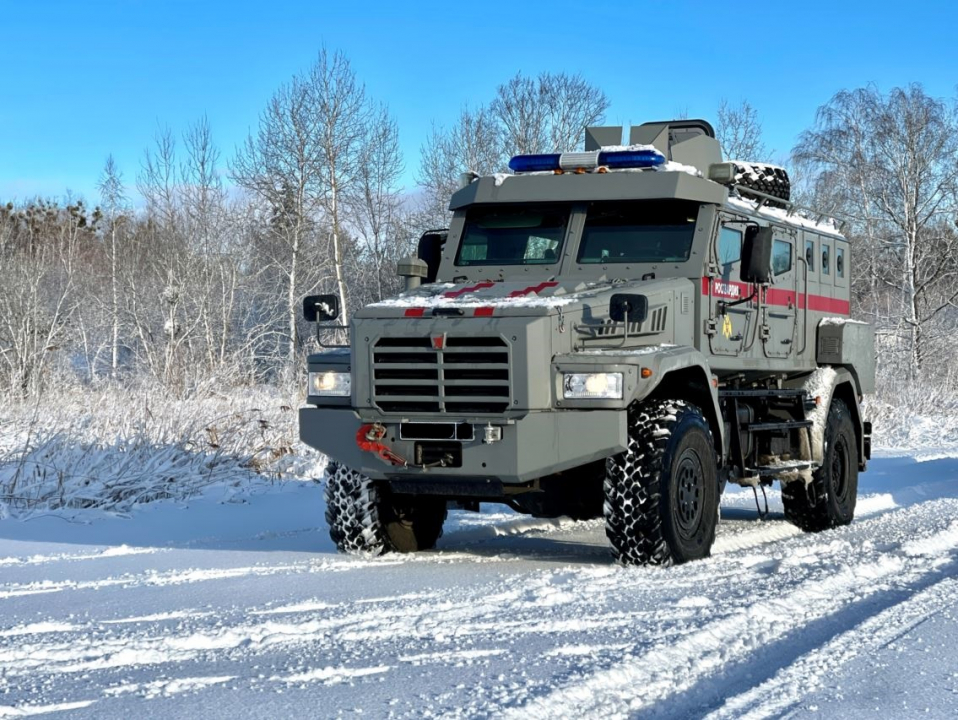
point(533, 446)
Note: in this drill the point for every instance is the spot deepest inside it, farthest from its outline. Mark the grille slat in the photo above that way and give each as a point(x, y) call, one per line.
point(468, 375)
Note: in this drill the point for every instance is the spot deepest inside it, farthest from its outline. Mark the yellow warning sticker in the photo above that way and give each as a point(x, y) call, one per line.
point(727, 327)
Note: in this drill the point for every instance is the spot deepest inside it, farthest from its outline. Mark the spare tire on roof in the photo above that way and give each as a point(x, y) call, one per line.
point(769, 179)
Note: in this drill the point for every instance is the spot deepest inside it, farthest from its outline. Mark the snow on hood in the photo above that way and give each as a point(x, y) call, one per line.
point(512, 294)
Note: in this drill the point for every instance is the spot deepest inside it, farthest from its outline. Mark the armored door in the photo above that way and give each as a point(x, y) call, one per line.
point(781, 299)
point(731, 326)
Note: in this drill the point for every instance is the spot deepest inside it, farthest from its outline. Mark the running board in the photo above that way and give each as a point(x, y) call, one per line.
point(784, 425)
point(780, 468)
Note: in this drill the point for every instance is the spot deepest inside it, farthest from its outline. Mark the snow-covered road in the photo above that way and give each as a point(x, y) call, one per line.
point(244, 609)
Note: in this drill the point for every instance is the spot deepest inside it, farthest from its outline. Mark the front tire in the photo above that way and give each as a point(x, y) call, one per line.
point(365, 519)
point(661, 494)
point(829, 500)
point(352, 511)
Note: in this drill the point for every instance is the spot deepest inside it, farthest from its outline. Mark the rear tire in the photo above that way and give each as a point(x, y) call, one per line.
point(829, 500)
point(661, 494)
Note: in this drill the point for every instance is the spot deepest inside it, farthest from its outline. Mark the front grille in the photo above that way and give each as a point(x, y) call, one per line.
point(469, 375)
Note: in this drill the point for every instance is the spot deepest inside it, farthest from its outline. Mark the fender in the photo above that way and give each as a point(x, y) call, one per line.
point(679, 372)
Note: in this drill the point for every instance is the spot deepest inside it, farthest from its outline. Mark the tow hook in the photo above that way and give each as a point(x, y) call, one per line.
point(368, 439)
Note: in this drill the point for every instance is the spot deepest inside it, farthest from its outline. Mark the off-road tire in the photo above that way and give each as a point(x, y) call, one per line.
point(364, 519)
point(769, 179)
point(352, 511)
point(829, 500)
point(661, 494)
point(411, 523)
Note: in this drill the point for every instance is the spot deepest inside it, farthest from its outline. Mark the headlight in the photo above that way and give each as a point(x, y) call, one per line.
point(596, 386)
point(329, 382)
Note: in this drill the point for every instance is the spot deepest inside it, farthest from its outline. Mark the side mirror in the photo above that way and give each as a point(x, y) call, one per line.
point(430, 251)
point(757, 255)
point(320, 308)
point(634, 308)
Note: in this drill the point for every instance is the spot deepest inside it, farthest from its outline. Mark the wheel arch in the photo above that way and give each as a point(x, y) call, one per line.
point(693, 384)
point(846, 390)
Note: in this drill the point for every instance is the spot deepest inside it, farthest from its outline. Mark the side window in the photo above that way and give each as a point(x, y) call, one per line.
point(826, 253)
point(729, 246)
point(840, 262)
point(810, 255)
point(781, 257)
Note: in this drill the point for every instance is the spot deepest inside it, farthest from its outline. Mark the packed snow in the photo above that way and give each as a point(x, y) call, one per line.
point(826, 226)
point(236, 605)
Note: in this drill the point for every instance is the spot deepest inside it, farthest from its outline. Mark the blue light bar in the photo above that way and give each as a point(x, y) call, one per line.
point(534, 163)
point(588, 161)
point(618, 159)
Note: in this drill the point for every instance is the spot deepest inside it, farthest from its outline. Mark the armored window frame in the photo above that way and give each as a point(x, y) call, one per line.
point(781, 251)
point(729, 244)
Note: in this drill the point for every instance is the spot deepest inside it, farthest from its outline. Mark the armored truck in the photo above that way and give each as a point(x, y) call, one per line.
point(616, 333)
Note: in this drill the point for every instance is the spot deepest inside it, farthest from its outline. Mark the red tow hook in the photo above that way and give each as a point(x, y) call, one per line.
point(368, 439)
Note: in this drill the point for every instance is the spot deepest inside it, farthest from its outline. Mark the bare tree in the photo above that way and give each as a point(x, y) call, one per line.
point(343, 114)
point(41, 245)
point(377, 207)
point(548, 113)
point(280, 165)
point(740, 132)
point(114, 204)
point(894, 161)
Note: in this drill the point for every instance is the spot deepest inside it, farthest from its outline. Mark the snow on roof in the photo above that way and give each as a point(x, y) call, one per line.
point(840, 321)
point(780, 215)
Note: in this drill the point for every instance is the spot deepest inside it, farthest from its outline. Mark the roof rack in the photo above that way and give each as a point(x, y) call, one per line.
point(762, 200)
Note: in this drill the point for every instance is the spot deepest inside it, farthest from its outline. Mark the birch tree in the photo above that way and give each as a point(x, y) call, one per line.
point(114, 204)
point(894, 159)
point(740, 133)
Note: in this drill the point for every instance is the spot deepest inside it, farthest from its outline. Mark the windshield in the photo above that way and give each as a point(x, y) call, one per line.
point(513, 235)
point(638, 232)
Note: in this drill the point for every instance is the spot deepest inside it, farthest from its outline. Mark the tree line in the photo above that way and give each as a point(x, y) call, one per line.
point(201, 276)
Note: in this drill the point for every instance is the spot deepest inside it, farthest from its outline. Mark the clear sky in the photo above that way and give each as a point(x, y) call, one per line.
point(81, 79)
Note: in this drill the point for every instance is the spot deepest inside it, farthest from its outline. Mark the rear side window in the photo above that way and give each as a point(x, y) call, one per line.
point(729, 246)
point(810, 255)
point(840, 262)
point(781, 257)
point(826, 259)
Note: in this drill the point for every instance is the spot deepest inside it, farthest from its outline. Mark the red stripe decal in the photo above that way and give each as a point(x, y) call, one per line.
point(820, 303)
point(733, 290)
point(536, 289)
point(483, 312)
point(415, 312)
point(463, 291)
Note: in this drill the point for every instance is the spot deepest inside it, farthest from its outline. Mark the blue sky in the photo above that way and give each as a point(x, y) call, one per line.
point(85, 79)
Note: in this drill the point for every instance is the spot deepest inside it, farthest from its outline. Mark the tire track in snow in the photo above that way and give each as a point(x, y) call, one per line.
point(791, 684)
point(671, 668)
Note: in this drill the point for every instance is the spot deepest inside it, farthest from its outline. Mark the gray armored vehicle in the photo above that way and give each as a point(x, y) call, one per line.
point(618, 332)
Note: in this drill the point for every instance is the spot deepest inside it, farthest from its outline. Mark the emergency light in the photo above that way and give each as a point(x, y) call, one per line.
point(644, 157)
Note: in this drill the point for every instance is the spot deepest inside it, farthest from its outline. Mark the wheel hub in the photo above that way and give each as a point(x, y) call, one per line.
point(689, 491)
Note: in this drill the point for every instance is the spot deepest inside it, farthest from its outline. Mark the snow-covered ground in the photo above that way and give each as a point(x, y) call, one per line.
point(237, 606)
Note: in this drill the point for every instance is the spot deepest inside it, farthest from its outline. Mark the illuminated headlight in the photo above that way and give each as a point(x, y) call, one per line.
point(597, 386)
point(329, 382)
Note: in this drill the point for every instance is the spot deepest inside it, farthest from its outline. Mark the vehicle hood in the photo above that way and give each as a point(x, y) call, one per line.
point(503, 299)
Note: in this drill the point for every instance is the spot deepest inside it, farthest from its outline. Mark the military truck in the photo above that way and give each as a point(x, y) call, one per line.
point(618, 332)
